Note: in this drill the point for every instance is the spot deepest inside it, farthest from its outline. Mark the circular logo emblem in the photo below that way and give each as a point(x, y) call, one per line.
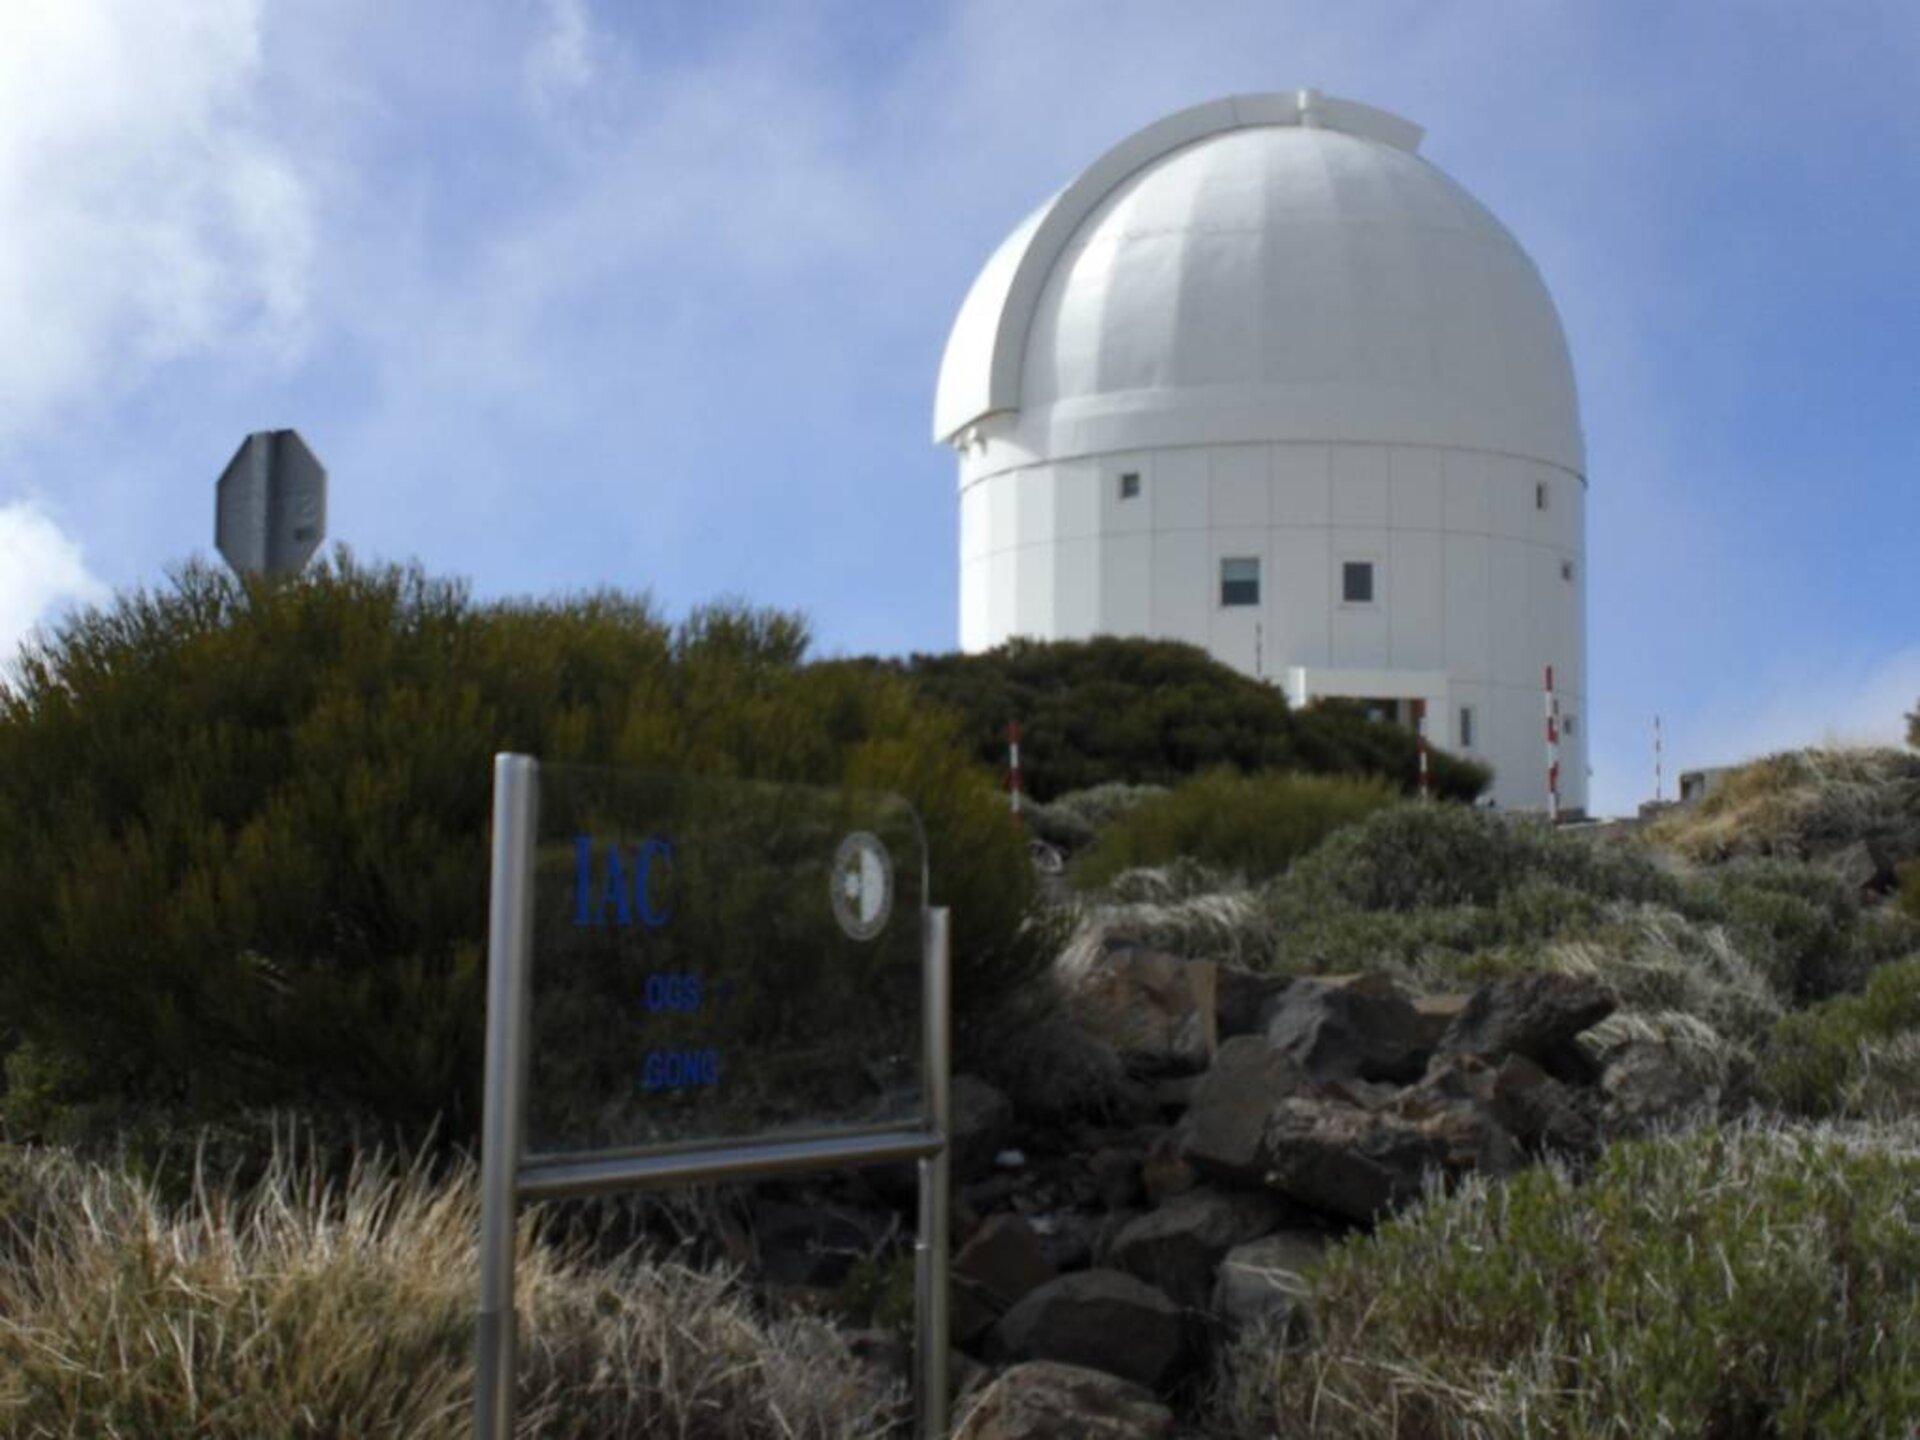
point(862, 885)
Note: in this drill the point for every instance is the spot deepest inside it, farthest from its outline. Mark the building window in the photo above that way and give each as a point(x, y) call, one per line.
point(1240, 582)
point(1130, 485)
point(1566, 571)
point(1356, 582)
point(1466, 727)
point(1569, 727)
point(1539, 494)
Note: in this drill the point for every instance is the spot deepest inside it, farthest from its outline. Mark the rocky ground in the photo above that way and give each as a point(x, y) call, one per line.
point(1100, 1265)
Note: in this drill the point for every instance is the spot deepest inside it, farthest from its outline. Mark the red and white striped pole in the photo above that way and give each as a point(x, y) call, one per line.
point(1014, 783)
point(1420, 729)
point(1553, 749)
point(1659, 780)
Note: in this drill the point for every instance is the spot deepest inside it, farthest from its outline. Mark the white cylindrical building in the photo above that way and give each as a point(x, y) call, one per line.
point(1263, 379)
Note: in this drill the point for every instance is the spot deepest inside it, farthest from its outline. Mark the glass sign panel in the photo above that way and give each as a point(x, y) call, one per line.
point(720, 960)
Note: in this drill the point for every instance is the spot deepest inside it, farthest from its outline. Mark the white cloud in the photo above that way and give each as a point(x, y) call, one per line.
point(562, 60)
point(1859, 700)
point(151, 215)
point(41, 570)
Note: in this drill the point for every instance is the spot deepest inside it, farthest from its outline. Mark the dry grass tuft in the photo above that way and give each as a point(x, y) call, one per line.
point(1793, 803)
point(305, 1308)
point(1183, 908)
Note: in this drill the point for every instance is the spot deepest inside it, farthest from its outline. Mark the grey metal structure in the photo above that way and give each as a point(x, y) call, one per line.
point(508, 1176)
point(270, 511)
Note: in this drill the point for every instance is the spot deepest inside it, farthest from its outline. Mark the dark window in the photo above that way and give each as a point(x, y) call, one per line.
point(1566, 570)
point(1356, 582)
point(1540, 495)
point(1240, 582)
point(1130, 485)
point(1466, 727)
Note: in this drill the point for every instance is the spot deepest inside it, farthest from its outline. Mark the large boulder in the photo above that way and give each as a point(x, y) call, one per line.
point(1224, 1129)
point(1178, 1246)
point(1004, 1260)
point(1268, 1281)
point(1350, 1027)
point(1535, 1014)
point(1436, 1013)
point(1155, 1009)
point(1242, 998)
point(1524, 1100)
point(1358, 1165)
point(1045, 1400)
point(1104, 1319)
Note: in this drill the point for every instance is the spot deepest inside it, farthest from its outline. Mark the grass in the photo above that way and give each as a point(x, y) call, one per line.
point(1250, 825)
point(1786, 804)
point(303, 1309)
point(1748, 1282)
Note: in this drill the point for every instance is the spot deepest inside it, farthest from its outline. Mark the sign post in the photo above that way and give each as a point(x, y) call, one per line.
point(699, 981)
point(270, 511)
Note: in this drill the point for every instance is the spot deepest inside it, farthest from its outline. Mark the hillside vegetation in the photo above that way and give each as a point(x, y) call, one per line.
point(243, 828)
point(1155, 712)
point(1583, 1133)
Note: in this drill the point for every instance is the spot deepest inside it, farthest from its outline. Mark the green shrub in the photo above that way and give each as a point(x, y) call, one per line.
point(1157, 711)
point(1254, 825)
point(1739, 1283)
point(1419, 856)
point(243, 827)
point(303, 1309)
point(1802, 924)
point(1855, 1055)
point(1071, 821)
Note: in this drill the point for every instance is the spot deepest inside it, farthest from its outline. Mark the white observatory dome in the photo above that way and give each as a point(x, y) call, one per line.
point(1264, 332)
point(1268, 265)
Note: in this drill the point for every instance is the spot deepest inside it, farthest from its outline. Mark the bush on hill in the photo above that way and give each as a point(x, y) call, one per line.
point(1800, 803)
point(1418, 857)
point(1251, 825)
point(1853, 1055)
point(243, 828)
point(1157, 712)
point(1072, 821)
point(1737, 1283)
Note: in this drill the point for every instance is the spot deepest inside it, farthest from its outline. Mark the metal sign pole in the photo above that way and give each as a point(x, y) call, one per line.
point(930, 1248)
point(506, 1176)
point(509, 951)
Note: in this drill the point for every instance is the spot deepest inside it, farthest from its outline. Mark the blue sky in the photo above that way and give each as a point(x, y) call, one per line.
point(569, 293)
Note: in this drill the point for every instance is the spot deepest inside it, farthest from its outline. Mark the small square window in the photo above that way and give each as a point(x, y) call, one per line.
point(1466, 727)
point(1569, 726)
point(1240, 582)
point(1130, 485)
point(1540, 495)
point(1566, 570)
point(1356, 582)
